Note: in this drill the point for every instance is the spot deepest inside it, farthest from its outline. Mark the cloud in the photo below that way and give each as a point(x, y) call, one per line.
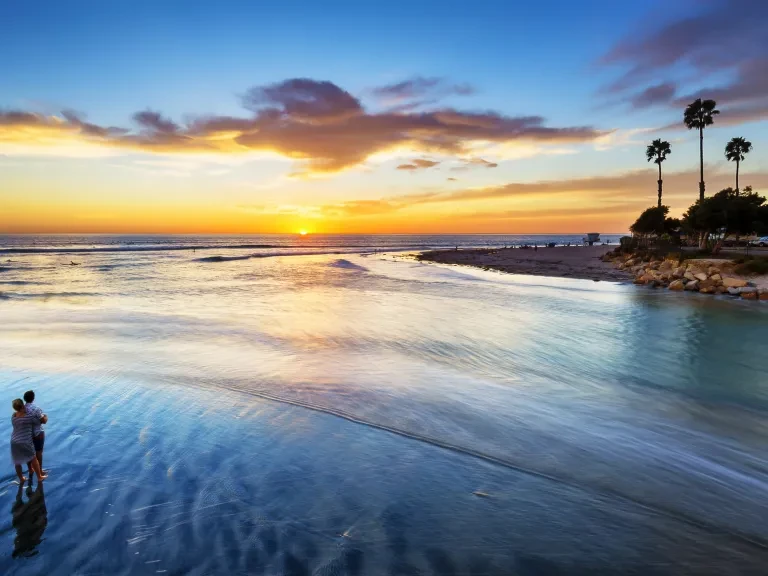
point(452, 179)
point(725, 39)
point(303, 100)
point(418, 164)
point(653, 95)
point(316, 123)
point(419, 91)
point(468, 163)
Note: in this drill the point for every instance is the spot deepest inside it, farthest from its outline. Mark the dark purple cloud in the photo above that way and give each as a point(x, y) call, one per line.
point(420, 86)
point(654, 95)
point(303, 99)
point(155, 122)
point(723, 38)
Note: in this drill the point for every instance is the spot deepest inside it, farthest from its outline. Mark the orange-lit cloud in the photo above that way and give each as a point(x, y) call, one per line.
point(418, 164)
point(315, 122)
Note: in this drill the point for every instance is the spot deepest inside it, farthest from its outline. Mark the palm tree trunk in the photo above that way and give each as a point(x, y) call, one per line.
point(737, 177)
point(659, 184)
point(701, 158)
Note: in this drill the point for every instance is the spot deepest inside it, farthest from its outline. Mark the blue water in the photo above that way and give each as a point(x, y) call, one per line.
point(330, 409)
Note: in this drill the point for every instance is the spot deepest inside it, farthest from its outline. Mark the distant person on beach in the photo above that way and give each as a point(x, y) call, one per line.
point(22, 444)
point(38, 434)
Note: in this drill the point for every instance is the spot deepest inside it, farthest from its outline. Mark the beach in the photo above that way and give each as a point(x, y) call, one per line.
point(560, 261)
point(353, 411)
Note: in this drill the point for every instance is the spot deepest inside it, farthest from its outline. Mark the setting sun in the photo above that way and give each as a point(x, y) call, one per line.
point(303, 232)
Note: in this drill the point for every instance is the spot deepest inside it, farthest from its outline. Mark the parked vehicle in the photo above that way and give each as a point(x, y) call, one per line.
point(762, 242)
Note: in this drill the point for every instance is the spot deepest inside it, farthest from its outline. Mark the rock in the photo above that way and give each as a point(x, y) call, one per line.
point(707, 290)
point(646, 278)
point(639, 281)
point(630, 262)
point(707, 285)
point(747, 290)
point(693, 285)
point(677, 285)
point(689, 275)
point(666, 266)
point(716, 277)
point(721, 289)
point(700, 276)
point(732, 291)
point(654, 283)
point(749, 295)
point(730, 282)
point(762, 294)
point(712, 270)
point(679, 272)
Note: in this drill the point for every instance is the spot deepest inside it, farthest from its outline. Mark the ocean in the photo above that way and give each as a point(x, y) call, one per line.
point(328, 405)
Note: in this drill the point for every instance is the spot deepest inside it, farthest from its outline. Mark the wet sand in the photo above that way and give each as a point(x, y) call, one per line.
point(562, 261)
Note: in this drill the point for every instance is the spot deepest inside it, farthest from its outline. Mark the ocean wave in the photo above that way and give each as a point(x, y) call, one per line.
point(98, 249)
point(346, 264)
point(224, 258)
point(319, 252)
point(45, 295)
point(24, 283)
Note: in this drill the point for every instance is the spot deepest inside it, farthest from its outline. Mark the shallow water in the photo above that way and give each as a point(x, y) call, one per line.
point(353, 412)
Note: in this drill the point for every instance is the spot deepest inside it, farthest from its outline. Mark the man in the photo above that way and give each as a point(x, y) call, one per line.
point(38, 434)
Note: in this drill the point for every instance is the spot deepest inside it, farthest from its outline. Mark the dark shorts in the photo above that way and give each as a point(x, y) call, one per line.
point(39, 441)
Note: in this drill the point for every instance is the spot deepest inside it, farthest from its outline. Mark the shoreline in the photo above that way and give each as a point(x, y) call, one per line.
point(580, 262)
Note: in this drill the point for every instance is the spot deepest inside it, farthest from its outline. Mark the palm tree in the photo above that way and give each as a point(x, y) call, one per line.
point(735, 151)
point(699, 114)
point(657, 151)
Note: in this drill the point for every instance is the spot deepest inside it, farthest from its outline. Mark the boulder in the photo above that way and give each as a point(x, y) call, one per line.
point(747, 290)
point(707, 290)
point(678, 285)
point(730, 282)
point(639, 281)
point(700, 276)
point(678, 272)
point(732, 291)
point(749, 295)
point(666, 266)
point(706, 285)
point(712, 270)
point(716, 277)
point(693, 285)
point(762, 294)
point(630, 262)
point(689, 275)
point(721, 289)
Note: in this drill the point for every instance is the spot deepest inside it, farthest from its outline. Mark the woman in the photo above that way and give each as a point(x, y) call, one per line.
point(22, 445)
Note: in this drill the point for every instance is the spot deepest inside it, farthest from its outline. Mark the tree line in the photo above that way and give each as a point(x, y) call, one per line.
point(730, 211)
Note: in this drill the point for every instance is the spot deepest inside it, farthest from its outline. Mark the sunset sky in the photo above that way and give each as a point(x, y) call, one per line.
point(374, 117)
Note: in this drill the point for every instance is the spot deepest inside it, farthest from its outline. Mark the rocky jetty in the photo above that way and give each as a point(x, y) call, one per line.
point(693, 276)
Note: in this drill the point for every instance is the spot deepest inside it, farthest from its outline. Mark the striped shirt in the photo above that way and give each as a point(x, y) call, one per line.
point(33, 410)
point(23, 427)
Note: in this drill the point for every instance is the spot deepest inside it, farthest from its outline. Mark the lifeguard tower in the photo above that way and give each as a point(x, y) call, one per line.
point(591, 238)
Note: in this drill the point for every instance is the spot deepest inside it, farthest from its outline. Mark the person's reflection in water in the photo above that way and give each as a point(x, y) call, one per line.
point(30, 519)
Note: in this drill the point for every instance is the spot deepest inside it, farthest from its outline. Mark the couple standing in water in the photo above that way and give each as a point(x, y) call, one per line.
point(28, 438)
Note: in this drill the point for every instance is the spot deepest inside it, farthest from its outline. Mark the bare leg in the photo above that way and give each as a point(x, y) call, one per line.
point(35, 466)
point(20, 475)
point(30, 473)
